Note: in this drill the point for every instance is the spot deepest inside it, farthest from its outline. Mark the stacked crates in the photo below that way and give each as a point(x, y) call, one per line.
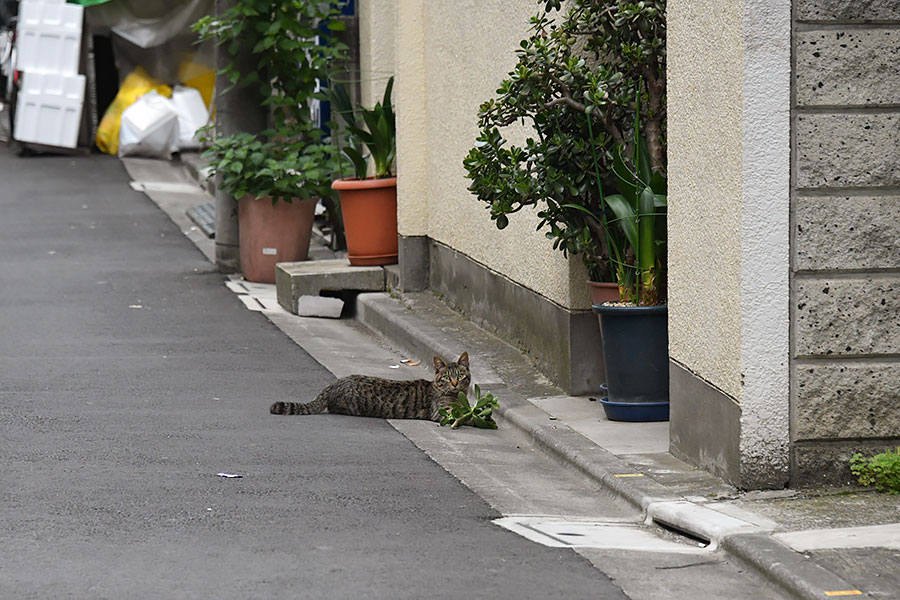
point(51, 96)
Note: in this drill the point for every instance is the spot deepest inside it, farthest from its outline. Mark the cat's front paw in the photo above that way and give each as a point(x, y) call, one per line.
point(278, 408)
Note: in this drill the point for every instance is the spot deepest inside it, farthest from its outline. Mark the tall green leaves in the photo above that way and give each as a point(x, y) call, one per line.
point(640, 212)
point(373, 128)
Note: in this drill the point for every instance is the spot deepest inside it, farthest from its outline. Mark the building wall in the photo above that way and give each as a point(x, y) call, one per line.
point(729, 207)
point(705, 186)
point(845, 304)
point(451, 57)
point(377, 45)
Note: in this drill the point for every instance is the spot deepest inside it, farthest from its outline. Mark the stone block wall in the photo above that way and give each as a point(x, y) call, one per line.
point(845, 299)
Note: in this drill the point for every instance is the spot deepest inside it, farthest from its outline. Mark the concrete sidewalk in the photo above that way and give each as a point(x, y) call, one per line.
point(814, 543)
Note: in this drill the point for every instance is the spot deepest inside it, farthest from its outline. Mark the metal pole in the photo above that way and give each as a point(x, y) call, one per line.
point(237, 110)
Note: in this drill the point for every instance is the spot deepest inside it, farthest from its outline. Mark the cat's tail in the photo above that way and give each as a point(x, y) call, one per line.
point(299, 408)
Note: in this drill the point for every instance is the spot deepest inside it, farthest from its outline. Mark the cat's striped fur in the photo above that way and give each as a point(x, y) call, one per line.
point(364, 396)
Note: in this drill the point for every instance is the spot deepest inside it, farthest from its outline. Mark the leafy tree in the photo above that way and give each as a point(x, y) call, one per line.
point(584, 78)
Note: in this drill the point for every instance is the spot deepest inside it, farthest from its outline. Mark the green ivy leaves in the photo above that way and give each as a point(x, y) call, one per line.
point(291, 159)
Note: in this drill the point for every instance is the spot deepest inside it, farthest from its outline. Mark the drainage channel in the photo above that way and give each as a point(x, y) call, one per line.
point(562, 532)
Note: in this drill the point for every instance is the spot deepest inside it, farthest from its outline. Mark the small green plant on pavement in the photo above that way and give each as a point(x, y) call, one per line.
point(881, 470)
point(479, 414)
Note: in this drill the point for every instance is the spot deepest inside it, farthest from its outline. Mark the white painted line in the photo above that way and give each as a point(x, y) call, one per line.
point(236, 286)
point(869, 536)
point(250, 302)
point(172, 187)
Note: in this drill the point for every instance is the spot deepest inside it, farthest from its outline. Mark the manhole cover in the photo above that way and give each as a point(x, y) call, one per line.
point(566, 533)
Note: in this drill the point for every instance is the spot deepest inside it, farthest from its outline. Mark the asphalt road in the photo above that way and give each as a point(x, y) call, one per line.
point(130, 376)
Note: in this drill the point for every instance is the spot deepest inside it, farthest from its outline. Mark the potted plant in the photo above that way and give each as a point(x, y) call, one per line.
point(369, 204)
point(592, 86)
point(278, 175)
point(635, 329)
point(575, 84)
point(277, 184)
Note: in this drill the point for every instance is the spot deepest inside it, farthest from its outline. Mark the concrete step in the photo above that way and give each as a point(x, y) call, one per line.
point(422, 326)
point(312, 277)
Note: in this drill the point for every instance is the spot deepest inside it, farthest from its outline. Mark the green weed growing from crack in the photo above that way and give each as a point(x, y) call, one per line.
point(478, 414)
point(881, 470)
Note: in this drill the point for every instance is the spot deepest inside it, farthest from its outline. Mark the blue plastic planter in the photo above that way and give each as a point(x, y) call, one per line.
point(635, 353)
point(635, 411)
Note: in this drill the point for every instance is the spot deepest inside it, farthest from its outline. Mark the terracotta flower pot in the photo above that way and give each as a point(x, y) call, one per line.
point(369, 209)
point(273, 233)
point(603, 292)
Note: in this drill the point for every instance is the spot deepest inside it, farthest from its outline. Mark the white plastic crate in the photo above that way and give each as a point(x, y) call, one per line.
point(49, 109)
point(49, 37)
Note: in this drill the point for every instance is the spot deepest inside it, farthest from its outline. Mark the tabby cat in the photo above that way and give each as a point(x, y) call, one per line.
point(364, 396)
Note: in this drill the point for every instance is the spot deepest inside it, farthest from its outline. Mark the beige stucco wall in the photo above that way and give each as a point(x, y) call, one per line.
point(705, 195)
point(449, 57)
point(377, 46)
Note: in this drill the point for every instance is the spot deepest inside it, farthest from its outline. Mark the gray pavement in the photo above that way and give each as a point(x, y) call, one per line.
point(130, 376)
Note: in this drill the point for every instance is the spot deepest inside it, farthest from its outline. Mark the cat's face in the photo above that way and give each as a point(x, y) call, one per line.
point(451, 379)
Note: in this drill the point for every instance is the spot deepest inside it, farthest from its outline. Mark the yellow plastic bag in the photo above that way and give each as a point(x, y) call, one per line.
point(135, 85)
point(198, 76)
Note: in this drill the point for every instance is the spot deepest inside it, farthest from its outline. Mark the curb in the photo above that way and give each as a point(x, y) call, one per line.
point(799, 576)
point(753, 547)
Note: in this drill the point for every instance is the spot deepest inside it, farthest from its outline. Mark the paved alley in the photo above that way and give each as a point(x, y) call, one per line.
point(130, 377)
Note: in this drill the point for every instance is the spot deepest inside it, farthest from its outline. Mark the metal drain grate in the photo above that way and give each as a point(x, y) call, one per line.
point(573, 533)
point(204, 216)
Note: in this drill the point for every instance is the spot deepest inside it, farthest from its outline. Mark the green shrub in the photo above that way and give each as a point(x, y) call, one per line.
point(881, 470)
point(585, 76)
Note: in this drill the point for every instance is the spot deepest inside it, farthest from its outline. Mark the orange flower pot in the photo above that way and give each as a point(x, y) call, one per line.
point(369, 209)
point(603, 292)
point(273, 233)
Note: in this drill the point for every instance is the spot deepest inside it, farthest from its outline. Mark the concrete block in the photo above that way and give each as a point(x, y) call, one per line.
point(848, 10)
point(847, 66)
point(319, 306)
point(392, 277)
point(704, 424)
point(847, 233)
point(847, 150)
point(413, 259)
point(838, 316)
point(828, 463)
point(310, 278)
point(847, 400)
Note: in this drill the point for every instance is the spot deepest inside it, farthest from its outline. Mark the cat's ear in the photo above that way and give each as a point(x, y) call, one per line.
point(438, 364)
point(464, 360)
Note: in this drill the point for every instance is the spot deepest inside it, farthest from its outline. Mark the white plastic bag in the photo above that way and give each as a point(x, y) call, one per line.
point(149, 127)
point(192, 115)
